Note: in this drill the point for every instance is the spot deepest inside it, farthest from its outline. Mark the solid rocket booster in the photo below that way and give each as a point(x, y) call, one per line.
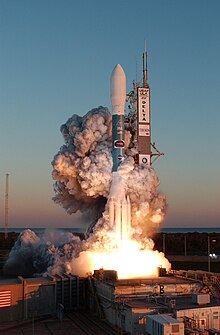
point(118, 99)
point(120, 216)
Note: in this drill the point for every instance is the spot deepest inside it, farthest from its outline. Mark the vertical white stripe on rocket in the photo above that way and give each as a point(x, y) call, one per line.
point(124, 221)
point(118, 222)
point(111, 212)
point(128, 217)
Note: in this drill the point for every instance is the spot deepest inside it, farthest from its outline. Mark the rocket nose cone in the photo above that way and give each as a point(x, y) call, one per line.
point(118, 67)
point(118, 71)
point(118, 86)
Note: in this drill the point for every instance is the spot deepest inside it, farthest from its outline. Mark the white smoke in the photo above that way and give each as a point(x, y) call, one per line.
point(82, 170)
point(82, 167)
point(49, 252)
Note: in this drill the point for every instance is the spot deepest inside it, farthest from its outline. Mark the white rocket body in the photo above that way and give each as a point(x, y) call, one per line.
point(118, 90)
point(118, 100)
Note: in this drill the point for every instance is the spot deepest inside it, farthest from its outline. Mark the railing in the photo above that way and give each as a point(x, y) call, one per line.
point(210, 279)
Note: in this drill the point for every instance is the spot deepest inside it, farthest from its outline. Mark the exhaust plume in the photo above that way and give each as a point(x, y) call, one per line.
point(82, 170)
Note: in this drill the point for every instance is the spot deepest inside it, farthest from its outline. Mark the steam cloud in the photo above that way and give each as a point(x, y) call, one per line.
point(83, 182)
point(46, 253)
point(82, 171)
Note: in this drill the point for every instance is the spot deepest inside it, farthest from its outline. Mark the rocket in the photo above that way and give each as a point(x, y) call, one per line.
point(119, 207)
point(118, 99)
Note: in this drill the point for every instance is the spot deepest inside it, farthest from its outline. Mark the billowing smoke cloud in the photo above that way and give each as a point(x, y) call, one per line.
point(82, 171)
point(83, 182)
point(47, 253)
point(82, 167)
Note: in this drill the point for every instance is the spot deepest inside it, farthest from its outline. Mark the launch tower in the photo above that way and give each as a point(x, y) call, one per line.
point(139, 120)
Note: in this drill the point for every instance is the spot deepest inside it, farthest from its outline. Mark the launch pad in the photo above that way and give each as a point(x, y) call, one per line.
point(189, 299)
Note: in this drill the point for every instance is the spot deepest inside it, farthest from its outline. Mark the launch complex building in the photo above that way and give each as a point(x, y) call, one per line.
point(180, 302)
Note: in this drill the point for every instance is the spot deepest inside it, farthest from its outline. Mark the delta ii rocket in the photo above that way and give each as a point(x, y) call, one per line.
point(120, 207)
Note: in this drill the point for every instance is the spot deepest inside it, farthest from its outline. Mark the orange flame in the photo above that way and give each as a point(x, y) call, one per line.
point(130, 261)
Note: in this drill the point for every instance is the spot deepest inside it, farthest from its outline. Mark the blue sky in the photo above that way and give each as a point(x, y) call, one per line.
point(56, 59)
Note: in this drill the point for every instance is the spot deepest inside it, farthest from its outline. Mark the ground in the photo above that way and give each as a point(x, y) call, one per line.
point(73, 323)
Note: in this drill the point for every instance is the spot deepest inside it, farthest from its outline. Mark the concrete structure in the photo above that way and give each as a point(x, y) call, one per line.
point(201, 299)
point(21, 299)
point(128, 303)
point(163, 324)
point(125, 304)
point(199, 317)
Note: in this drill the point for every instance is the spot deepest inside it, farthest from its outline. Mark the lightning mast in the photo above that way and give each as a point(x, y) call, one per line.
point(6, 205)
point(145, 84)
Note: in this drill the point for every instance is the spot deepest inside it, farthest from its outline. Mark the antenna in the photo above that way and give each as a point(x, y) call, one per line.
point(145, 84)
point(6, 205)
point(136, 70)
